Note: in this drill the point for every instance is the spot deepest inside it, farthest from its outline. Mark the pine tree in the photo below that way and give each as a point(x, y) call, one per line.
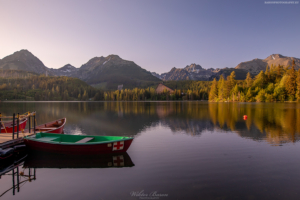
point(234, 93)
point(249, 95)
point(213, 94)
point(290, 85)
point(279, 71)
point(298, 86)
point(260, 80)
point(261, 96)
point(268, 74)
point(248, 80)
point(221, 88)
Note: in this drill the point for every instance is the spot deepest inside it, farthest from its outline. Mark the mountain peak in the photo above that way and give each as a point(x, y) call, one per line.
point(274, 57)
point(67, 66)
point(23, 60)
point(114, 56)
point(193, 68)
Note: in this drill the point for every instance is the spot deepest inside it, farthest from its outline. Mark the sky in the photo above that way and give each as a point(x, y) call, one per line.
point(156, 34)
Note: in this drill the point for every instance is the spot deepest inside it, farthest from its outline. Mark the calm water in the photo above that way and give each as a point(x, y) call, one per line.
point(181, 150)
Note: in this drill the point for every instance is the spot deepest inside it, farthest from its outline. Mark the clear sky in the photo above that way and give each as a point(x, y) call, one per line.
point(155, 34)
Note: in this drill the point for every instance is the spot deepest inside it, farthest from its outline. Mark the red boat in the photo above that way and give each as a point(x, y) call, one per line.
point(7, 127)
point(77, 144)
point(56, 126)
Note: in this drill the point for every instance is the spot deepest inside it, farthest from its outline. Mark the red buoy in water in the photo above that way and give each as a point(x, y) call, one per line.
point(245, 117)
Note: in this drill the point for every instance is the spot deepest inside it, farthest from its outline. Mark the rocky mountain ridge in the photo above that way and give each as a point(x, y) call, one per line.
point(256, 65)
point(113, 70)
point(196, 72)
point(190, 72)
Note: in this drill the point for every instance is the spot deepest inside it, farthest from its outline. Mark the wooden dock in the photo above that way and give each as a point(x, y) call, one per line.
point(15, 125)
point(6, 140)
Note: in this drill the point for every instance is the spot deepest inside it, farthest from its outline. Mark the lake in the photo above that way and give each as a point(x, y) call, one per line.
point(181, 150)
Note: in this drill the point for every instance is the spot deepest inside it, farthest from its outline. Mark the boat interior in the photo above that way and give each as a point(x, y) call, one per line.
point(50, 126)
point(79, 139)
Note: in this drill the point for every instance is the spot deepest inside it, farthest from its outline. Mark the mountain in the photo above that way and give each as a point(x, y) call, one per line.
point(23, 60)
point(240, 74)
point(105, 72)
point(67, 70)
point(256, 65)
point(190, 72)
point(111, 71)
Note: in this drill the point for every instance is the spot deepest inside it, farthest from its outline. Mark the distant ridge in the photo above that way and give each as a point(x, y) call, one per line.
point(256, 65)
point(111, 71)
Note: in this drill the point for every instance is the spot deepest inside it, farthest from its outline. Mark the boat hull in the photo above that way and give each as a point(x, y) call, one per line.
point(49, 128)
point(9, 128)
point(102, 148)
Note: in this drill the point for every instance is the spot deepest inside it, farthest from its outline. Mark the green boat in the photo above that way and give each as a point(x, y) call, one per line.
point(77, 144)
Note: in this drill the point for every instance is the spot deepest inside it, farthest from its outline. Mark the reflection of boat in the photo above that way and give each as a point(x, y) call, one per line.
point(7, 127)
point(11, 163)
point(12, 167)
point(7, 153)
point(56, 126)
point(54, 160)
point(78, 144)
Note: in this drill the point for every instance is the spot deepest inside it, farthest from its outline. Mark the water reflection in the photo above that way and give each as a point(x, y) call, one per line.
point(24, 167)
point(54, 160)
point(13, 167)
point(273, 122)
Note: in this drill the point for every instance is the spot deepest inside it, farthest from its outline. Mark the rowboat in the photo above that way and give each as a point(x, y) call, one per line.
point(77, 144)
point(7, 127)
point(56, 126)
point(38, 159)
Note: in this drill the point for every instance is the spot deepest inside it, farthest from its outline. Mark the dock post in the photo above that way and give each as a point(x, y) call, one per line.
point(18, 180)
point(29, 121)
point(34, 123)
point(18, 123)
point(13, 132)
point(13, 176)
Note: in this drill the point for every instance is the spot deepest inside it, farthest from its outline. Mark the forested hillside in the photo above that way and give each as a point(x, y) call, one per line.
point(183, 90)
point(42, 88)
point(277, 83)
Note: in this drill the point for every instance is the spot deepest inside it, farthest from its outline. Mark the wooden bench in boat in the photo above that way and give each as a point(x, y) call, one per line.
point(45, 129)
point(48, 138)
point(84, 140)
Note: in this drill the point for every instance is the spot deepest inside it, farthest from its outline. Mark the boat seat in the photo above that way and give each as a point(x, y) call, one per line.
point(84, 140)
point(45, 129)
point(47, 138)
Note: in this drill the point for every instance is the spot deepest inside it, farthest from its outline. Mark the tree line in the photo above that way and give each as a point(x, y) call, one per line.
point(42, 88)
point(194, 90)
point(277, 83)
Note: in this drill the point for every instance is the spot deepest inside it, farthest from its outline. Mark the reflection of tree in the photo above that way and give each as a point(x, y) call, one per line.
point(276, 122)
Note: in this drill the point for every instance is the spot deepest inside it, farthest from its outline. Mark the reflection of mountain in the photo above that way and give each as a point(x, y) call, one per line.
point(273, 122)
point(191, 127)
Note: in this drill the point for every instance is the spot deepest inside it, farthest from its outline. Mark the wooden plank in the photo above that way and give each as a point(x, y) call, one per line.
point(84, 140)
point(6, 139)
point(47, 138)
